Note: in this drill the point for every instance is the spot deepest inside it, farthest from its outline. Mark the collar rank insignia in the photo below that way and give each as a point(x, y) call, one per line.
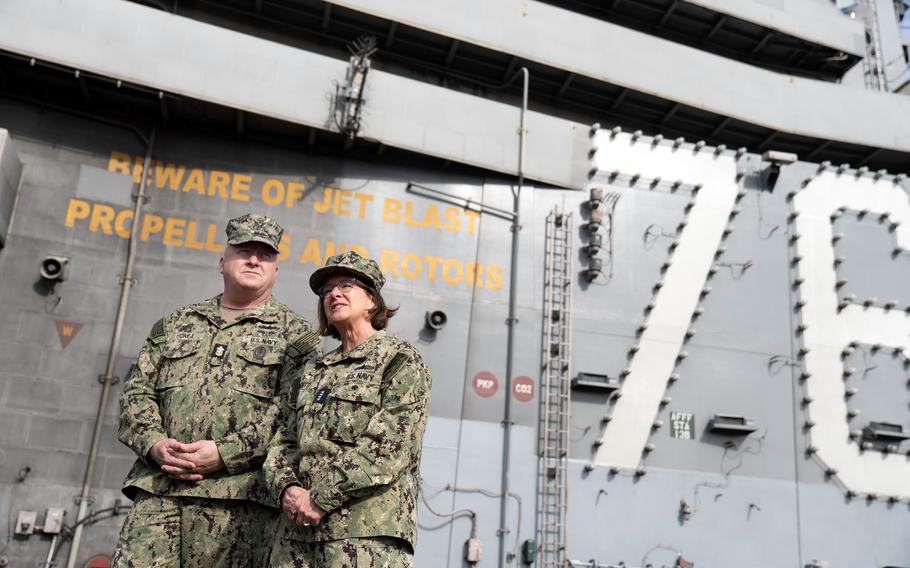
point(321, 395)
point(219, 351)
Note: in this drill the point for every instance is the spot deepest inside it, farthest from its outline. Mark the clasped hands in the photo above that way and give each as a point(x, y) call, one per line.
point(189, 462)
point(298, 507)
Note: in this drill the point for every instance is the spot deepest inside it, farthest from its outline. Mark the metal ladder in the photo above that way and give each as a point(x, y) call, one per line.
point(553, 434)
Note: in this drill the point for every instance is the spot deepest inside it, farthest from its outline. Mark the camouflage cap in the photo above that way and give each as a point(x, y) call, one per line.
point(253, 227)
point(348, 263)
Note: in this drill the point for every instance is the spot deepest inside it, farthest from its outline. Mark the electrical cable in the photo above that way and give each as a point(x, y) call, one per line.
point(654, 232)
point(733, 266)
point(659, 547)
point(486, 493)
point(778, 362)
point(610, 200)
point(21, 476)
point(67, 532)
point(725, 474)
point(453, 513)
point(52, 302)
point(761, 212)
point(868, 367)
point(584, 432)
point(594, 563)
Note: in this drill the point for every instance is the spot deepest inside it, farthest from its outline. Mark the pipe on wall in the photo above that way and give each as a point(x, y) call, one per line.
point(108, 378)
point(511, 321)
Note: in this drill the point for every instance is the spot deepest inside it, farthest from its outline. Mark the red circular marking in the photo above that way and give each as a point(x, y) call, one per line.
point(99, 561)
point(523, 388)
point(485, 384)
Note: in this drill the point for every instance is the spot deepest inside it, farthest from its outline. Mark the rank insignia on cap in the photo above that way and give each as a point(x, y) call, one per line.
point(254, 228)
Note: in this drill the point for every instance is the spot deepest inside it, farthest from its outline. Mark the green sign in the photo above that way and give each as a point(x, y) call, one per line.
point(682, 425)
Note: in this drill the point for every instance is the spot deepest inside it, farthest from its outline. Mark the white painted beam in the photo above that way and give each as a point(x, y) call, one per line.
point(819, 22)
point(141, 45)
point(614, 54)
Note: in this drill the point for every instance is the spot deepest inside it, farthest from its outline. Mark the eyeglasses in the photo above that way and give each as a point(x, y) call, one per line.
point(344, 286)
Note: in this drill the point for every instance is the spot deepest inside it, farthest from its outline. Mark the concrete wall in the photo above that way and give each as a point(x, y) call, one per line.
point(10, 172)
point(49, 392)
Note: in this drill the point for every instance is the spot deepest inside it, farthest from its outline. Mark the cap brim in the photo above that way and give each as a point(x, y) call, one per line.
point(253, 240)
point(318, 278)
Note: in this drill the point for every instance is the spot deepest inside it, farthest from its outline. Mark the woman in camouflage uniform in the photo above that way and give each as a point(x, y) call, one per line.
point(345, 466)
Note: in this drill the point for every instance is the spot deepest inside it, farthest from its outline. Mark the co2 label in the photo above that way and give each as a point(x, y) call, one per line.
point(523, 389)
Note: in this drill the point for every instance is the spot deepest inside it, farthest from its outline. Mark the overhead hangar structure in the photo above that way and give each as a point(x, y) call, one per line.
point(739, 76)
point(654, 253)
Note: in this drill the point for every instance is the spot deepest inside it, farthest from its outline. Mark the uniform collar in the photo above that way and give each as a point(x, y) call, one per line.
point(362, 351)
point(266, 311)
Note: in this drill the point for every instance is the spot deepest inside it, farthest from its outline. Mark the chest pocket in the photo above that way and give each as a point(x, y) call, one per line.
point(177, 362)
point(351, 406)
point(257, 369)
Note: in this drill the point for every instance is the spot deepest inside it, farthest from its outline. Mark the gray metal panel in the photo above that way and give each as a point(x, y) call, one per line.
point(616, 303)
point(48, 394)
point(10, 172)
point(870, 268)
point(736, 311)
point(585, 46)
point(726, 381)
point(850, 532)
point(878, 372)
point(437, 471)
point(479, 467)
point(134, 43)
point(735, 325)
point(638, 522)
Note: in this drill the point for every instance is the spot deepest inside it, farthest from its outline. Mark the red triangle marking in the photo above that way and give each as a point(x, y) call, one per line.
point(66, 331)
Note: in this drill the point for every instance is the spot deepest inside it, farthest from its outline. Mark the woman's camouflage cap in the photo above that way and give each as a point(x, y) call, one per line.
point(253, 227)
point(348, 263)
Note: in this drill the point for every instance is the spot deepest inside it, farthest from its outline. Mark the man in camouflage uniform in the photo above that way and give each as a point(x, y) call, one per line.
point(345, 467)
point(200, 409)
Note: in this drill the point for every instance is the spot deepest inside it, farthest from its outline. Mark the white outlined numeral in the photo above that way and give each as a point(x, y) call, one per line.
point(627, 432)
point(828, 331)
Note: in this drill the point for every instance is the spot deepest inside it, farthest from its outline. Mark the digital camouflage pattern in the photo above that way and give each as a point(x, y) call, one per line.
point(253, 227)
point(377, 552)
point(200, 533)
point(350, 261)
point(354, 439)
point(200, 377)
